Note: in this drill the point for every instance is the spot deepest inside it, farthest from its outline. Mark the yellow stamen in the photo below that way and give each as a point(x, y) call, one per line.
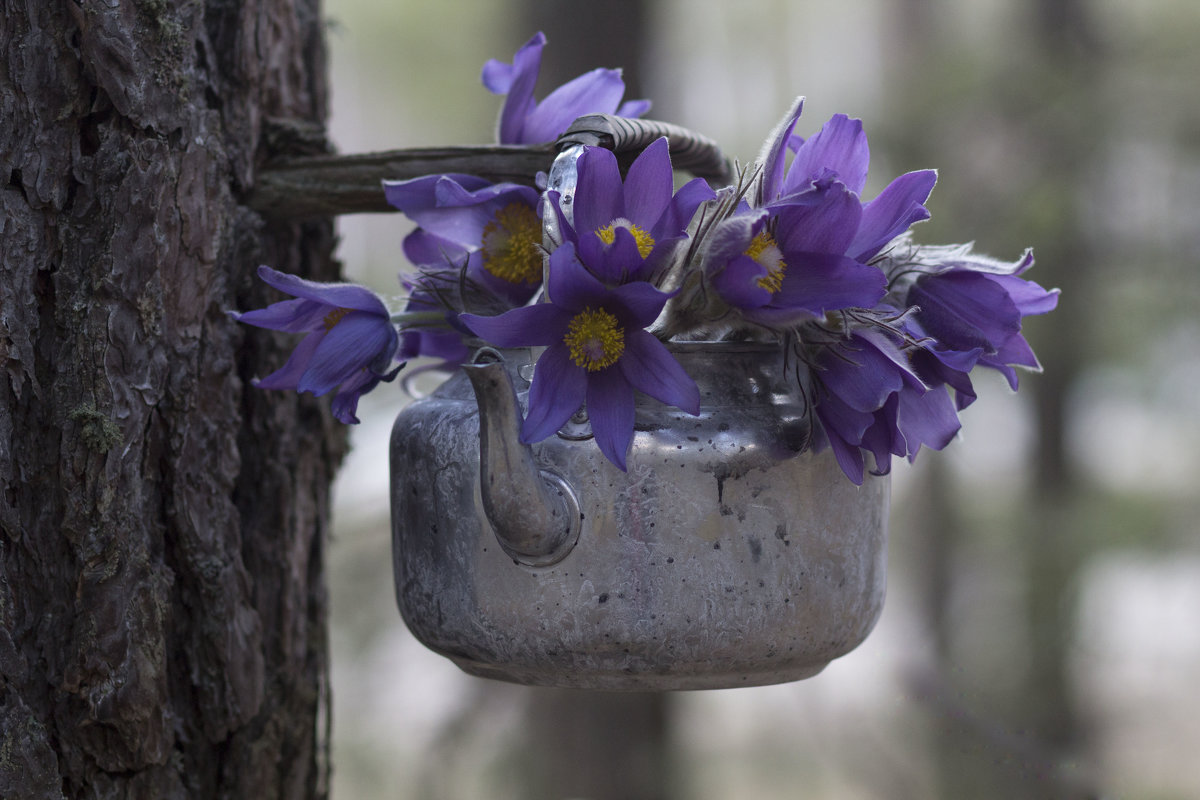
point(765, 251)
point(594, 339)
point(334, 317)
point(512, 245)
point(608, 235)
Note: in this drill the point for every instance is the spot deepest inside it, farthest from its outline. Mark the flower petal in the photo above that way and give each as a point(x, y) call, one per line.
point(595, 92)
point(445, 345)
point(294, 316)
point(288, 376)
point(598, 192)
point(639, 303)
point(682, 208)
point(824, 220)
point(882, 438)
point(620, 260)
point(557, 391)
point(336, 295)
point(964, 310)
point(835, 418)
point(456, 207)
point(426, 249)
point(731, 237)
point(421, 193)
point(738, 283)
point(840, 146)
point(611, 412)
point(570, 285)
point(518, 82)
point(633, 108)
point(356, 342)
point(936, 366)
point(648, 185)
point(530, 326)
point(345, 402)
point(774, 154)
point(498, 76)
point(928, 419)
point(897, 208)
point(649, 367)
point(861, 379)
point(1029, 297)
point(819, 282)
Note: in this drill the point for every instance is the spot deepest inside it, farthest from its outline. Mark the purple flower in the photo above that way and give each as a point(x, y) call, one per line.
point(839, 152)
point(526, 121)
point(351, 342)
point(625, 229)
point(872, 399)
point(893, 393)
point(597, 351)
point(786, 265)
point(804, 250)
point(427, 296)
point(479, 247)
point(492, 229)
point(971, 307)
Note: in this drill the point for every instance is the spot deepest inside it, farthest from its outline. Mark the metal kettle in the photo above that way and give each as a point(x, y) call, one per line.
point(729, 554)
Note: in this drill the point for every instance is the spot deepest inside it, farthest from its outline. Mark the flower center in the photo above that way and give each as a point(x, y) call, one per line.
point(608, 235)
point(334, 317)
point(594, 339)
point(512, 245)
point(764, 250)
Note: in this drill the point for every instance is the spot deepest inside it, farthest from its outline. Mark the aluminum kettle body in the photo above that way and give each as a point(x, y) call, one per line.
point(729, 554)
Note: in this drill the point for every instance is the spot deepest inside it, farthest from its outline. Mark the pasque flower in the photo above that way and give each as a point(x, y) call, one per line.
point(973, 306)
point(491, 229)
point(787, 266)
point(524, 120)
point(597, 351)
point(969, 308)
point(803, 248)
point(478, 247)
point(839, 152)
point(478, 241)
point(891, 394)
point(626, 228)
point(870, 397)
point(350, 343)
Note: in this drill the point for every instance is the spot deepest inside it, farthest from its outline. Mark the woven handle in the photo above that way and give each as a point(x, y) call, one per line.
point(690, 151)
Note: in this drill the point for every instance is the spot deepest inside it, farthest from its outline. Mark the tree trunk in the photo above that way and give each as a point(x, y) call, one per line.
point(584, 36)
point(598, 745)
point(1035, 738)
point(162, 523)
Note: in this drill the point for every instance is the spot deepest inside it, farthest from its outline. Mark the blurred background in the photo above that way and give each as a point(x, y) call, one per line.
point(1041, 637)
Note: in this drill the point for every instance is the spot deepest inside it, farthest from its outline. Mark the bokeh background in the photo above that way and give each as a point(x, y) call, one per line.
point(1041, 637)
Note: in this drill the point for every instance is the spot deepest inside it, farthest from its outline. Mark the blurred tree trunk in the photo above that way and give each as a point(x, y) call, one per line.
point(598, 745)
point(584, 36)
point(978, 756)
point(161, 524)
point(1069, 131)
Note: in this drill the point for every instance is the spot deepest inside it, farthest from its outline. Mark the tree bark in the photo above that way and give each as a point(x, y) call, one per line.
point(162, 523)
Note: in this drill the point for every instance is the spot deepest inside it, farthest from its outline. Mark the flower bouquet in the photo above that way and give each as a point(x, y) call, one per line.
point(707, 340)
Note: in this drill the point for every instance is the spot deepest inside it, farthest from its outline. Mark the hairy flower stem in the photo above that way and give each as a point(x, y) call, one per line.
point(419, 319)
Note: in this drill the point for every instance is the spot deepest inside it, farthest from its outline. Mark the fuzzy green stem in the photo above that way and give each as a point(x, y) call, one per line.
point(419, 319)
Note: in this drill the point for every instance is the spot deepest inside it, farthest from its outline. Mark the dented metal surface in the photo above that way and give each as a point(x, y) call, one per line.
point(728, 555)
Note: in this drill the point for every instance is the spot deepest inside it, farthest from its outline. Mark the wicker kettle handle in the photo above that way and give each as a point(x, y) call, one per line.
point(690, 151)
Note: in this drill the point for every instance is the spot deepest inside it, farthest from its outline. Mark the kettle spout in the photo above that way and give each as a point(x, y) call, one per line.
point(534, 513)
